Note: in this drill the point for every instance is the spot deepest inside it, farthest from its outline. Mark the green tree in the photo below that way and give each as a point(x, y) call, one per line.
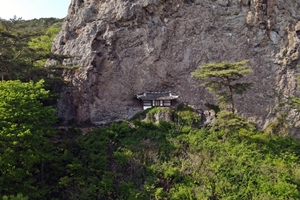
point(229, 122)
point(13, 49)
point(223, 79)
point(13, 197)
point(42, 45)
point(23, 50)
point(25, 124)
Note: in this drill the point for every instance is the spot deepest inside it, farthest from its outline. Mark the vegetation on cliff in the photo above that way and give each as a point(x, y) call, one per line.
point(137, 159)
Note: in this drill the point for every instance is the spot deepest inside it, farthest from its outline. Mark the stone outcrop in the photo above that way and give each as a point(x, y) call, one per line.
point(126, 47)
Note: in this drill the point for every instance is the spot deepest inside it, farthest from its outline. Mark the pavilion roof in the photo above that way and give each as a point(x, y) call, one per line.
point(157, 96)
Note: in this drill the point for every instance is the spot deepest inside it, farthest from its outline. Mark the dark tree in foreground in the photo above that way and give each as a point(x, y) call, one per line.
point(223, 79)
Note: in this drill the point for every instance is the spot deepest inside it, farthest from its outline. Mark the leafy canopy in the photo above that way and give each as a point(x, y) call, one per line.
point(223, 79)
point(14, 51)
point(24, 48)
point(24, 124)
point(148, 161)
point(42, 45)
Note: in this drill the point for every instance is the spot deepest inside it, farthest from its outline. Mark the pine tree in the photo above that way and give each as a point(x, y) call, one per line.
point(223, 79)
point(14, 50)
point(23, 50)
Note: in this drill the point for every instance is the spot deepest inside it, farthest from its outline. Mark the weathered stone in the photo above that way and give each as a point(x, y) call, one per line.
point(127, 47)
point(208, 117)
point(250, 19)
point(274, 37)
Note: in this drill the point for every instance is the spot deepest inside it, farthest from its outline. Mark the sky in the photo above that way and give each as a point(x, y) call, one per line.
point(30, 9)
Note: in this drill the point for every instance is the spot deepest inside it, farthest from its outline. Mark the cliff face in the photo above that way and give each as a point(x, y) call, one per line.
point(125, 47)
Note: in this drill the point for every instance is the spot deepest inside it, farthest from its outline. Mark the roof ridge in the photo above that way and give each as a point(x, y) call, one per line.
point(158, 92)
point(167, 95)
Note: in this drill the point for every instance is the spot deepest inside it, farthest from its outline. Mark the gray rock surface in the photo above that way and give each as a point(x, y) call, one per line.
point(125, 47)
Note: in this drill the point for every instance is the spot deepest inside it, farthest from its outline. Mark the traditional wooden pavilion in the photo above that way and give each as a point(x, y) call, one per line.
point(157, 99)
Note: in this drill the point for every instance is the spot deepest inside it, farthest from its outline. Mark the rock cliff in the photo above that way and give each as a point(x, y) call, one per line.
point(125, 47)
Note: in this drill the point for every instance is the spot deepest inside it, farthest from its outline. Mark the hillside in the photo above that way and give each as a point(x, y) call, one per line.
point(142, 160)
point(166, 160)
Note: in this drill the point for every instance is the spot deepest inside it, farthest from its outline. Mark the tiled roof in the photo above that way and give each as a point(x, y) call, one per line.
point(157, 96)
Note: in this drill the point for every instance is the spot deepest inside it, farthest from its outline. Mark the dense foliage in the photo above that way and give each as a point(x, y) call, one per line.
point(143, 160)
point(25, 124)
point(41, 45)
point(24, 47)
point(152, 161)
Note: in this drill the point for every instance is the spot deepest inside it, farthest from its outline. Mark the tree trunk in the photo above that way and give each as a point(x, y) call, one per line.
point(230, 94)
